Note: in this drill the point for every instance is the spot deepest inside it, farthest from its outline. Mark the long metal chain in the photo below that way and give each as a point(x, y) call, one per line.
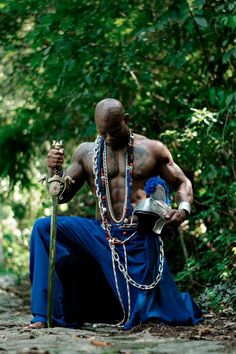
point(95, 171)
point(122, 269)
point(108, 195)
point(113, 251)
point(118, 293)
point(115, 256)
point(127, 283)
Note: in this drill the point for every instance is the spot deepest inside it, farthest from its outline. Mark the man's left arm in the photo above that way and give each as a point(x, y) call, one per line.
point(176, 178)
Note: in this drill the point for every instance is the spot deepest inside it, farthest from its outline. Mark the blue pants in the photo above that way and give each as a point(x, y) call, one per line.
point(163, 303)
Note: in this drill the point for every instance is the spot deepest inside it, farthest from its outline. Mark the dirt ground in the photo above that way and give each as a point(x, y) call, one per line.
point(217, 334)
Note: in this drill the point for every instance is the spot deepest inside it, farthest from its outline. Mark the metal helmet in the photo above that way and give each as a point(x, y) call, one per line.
point(155, 206)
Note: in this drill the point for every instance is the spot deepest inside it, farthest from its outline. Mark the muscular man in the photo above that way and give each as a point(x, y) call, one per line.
point(116, 167)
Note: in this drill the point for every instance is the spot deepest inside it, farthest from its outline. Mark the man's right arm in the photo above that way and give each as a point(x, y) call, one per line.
point(175, 177)
point(76, 170)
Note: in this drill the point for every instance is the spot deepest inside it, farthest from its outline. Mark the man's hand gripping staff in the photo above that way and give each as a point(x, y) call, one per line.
point(56, 182)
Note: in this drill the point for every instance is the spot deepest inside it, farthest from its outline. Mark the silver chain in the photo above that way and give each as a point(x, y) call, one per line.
point(118, 292)
point(115, 256)
point(122, 269)
point(95, 171)
point(127, 283)
point(108, 195)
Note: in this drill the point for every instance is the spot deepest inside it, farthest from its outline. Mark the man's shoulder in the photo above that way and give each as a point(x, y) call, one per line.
point(85, 147)
point(153, 147)
point(145, 141)
point(83, 150)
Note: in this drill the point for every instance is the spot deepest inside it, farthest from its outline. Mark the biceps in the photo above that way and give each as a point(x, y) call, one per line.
point(172, 174)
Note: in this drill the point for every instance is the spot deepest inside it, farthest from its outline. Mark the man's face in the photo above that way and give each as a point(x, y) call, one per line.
point(114, 132)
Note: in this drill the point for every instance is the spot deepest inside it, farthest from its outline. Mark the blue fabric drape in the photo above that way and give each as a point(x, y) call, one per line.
point(163, 303)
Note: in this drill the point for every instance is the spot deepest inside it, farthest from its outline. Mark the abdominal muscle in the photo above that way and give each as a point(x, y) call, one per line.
point(117, 194)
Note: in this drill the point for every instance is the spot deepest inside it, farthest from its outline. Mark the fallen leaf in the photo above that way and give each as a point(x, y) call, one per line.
point(230, 324)
point(203, 330)
point(100, 343)
point(208, 315)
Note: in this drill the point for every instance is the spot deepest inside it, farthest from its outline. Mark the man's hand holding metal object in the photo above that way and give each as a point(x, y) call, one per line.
point(154, 212)
point(57, 180)
point(155, 208)
point(57, 184)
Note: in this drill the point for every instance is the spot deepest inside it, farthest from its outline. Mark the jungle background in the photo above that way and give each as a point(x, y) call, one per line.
point(171, 63)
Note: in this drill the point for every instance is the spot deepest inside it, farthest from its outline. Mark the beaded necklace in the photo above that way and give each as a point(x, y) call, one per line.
point(102, 184)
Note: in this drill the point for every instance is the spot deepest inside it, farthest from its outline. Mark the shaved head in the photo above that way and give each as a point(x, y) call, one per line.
point(109, 109)
point(112, 122)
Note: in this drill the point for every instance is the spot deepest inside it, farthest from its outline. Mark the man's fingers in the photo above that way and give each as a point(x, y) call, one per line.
point(174, 218)
point(169, 214)
point(56, 152)
point(55, 158)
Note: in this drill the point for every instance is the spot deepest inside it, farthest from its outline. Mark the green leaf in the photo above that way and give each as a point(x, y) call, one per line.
point(229, 99)
point(212, 95)
point(231, 6)
point(201, 21)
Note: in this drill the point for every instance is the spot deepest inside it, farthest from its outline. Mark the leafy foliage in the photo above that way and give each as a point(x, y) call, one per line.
point(170, 63)
point(215, 191)
point(219, 298)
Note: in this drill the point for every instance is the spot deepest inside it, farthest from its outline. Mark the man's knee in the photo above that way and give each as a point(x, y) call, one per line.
point(40, 232)
point(42, 225)
point(69, 223)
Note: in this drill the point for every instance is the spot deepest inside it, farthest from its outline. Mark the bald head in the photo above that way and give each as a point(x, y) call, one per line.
point(109, 109)
point(112, 121)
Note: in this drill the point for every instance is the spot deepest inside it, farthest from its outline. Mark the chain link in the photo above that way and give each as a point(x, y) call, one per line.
point(108, 195)
point(122, 269)
point(115, 256)
point(95, 161)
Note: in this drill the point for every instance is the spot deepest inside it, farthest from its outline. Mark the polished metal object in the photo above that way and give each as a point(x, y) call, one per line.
point(56, 182)
point(55, 185)
point(116, 261)
point(155, 206)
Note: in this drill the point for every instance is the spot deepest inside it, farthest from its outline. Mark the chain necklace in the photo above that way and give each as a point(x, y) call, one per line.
point(102, 183)
point(108, 195)
point(128, 168)
point(104, 202)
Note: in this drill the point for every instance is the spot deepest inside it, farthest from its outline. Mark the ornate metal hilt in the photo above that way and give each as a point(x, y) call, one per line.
point(57, 182)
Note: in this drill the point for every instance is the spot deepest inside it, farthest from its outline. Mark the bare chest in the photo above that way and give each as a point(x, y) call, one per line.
point(116, 163)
